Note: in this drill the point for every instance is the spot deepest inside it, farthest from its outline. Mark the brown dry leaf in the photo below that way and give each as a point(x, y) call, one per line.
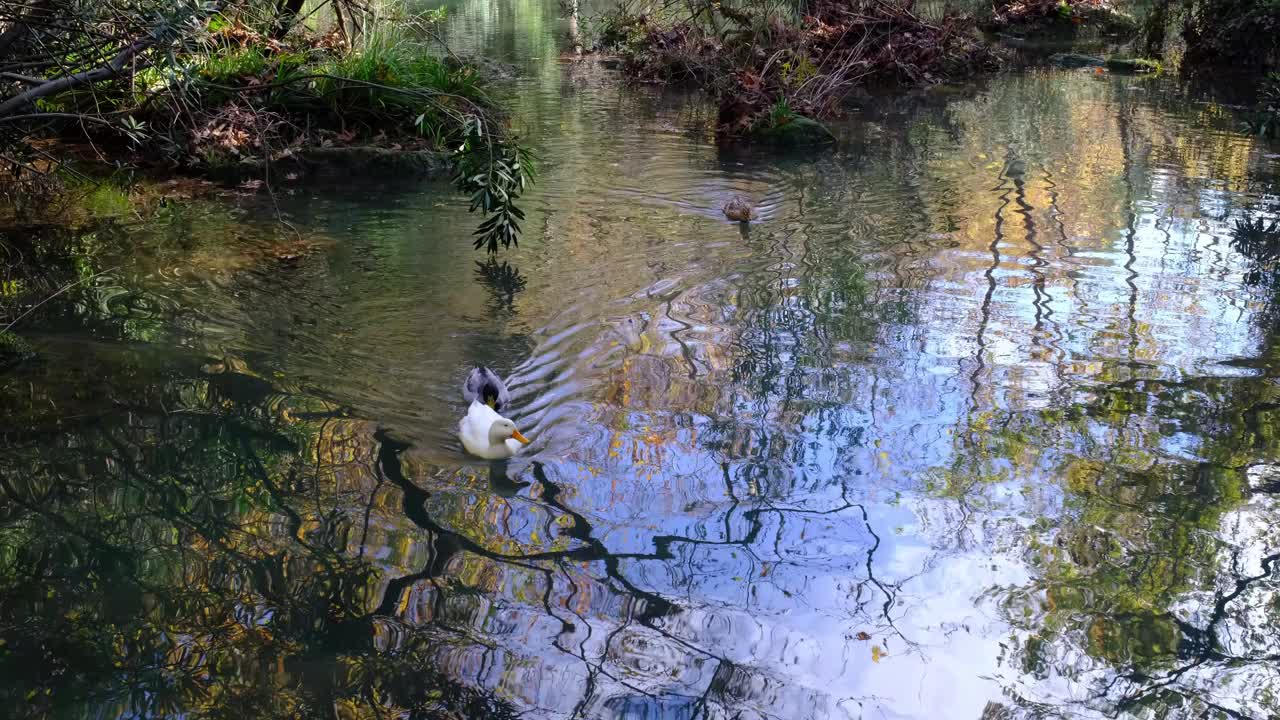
point(863, 636)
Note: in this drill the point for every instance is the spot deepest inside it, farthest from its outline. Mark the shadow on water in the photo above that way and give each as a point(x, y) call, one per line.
point(503, 280)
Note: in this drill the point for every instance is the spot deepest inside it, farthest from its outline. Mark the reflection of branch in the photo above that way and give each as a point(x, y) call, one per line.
point(997, 236)
point(889, 597)
point(1204, 643)
point(61, 290)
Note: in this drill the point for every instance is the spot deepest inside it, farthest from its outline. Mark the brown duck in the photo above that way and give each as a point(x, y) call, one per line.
point(739, 209)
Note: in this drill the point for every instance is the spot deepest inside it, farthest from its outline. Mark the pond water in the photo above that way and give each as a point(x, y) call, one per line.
point(977, 421)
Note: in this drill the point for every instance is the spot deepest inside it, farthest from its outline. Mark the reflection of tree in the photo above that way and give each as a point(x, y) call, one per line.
point(1153, 564)
point(174, 555)
point(1138, 573)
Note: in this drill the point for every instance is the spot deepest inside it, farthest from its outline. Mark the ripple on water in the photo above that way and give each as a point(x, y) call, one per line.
point(889, 450)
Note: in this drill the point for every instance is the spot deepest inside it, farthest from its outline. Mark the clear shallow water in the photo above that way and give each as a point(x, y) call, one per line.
point(976, 422)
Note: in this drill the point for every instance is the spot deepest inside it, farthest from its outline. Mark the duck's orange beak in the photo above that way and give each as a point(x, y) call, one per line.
point(516, 434)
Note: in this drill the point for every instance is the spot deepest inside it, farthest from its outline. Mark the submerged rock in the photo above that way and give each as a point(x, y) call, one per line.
point(1076, 60)
point(799, 131)
point(1115, 64)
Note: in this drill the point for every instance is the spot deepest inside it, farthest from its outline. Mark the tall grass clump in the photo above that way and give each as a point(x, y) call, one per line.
point(391, 74)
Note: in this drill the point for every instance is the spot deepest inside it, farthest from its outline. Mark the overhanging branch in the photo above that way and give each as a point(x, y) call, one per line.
point(111, 68)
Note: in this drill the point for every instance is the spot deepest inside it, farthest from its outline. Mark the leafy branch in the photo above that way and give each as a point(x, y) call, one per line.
point(494, 171)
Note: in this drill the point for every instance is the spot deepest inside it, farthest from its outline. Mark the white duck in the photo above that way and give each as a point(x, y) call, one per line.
point(483, 431)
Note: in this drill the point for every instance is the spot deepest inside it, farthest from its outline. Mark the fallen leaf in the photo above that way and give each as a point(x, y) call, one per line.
point(863, 636)
point(877, 653)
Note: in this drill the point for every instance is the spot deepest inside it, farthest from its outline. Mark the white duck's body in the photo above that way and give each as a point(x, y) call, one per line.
point(485, 433)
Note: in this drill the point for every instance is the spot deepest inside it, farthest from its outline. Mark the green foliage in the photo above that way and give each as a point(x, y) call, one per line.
point(494, 172)
point(393, 82)
point(1262, 123)
point(391, 77)
point(749, 55)
point(1243, 33)
point(13, 349)
point(780, 113)
point(436, 16)
point(798, 72)
point(103, 199)
point(1270, 91)
point(230, 64)
point(395, 54)
point(219, 23)
point(1264, 120)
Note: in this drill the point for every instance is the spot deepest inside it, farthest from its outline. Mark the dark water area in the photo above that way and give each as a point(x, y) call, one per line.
point(978, 420)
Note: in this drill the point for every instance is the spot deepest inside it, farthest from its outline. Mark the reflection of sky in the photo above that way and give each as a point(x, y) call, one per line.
point(792, 434)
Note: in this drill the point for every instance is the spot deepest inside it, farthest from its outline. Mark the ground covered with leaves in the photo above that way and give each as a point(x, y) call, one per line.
point(766, 69)
point(1058, 17)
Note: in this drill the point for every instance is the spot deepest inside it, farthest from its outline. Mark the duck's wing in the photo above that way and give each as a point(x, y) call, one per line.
point(481, 416)
point(485, 386)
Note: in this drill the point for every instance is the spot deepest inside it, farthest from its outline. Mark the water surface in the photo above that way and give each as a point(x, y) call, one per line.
point(976, 421)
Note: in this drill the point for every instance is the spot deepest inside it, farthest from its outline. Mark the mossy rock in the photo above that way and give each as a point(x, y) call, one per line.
point(1076, 60)
point(1128, 66)
point(13, 350)
point(1133, 66)
point(799, 131)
